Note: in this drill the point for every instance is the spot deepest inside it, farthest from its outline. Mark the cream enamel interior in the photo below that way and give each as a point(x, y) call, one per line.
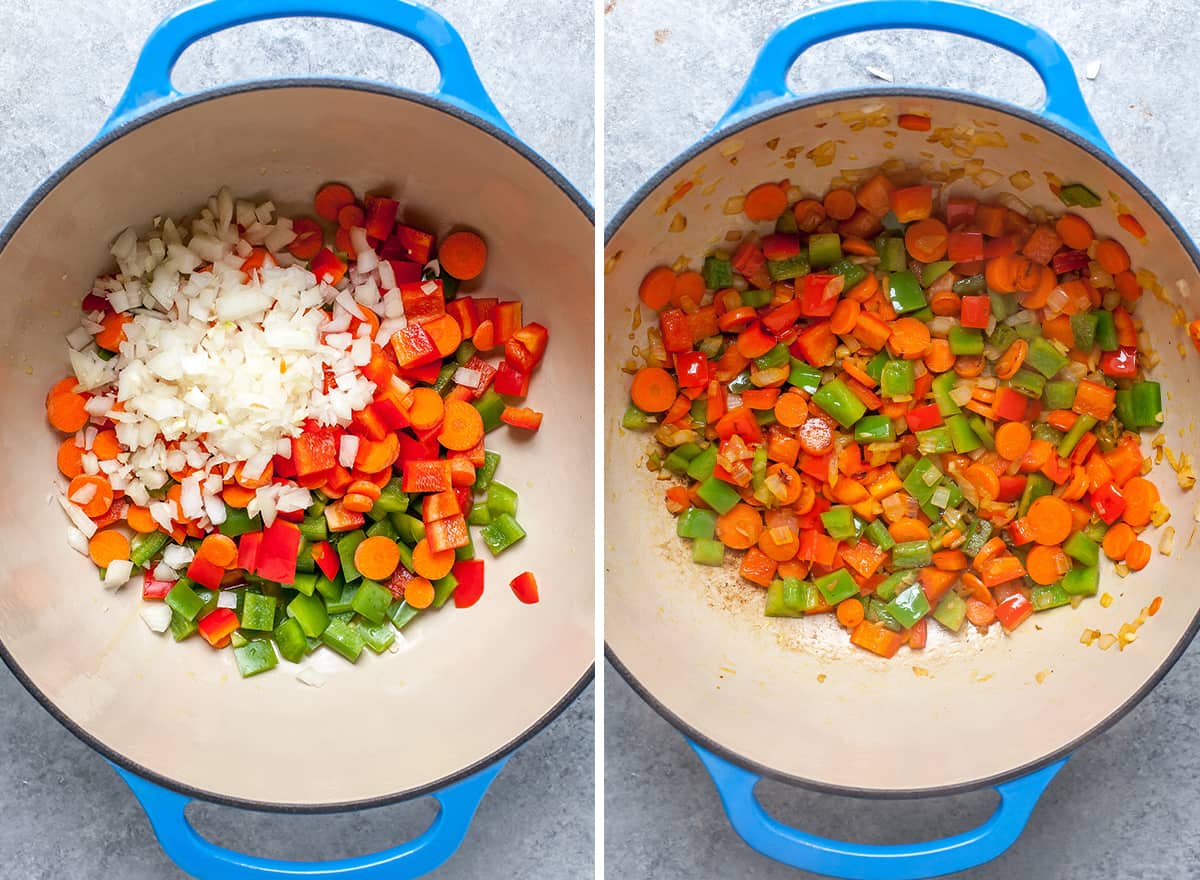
point(793, 695)
point(469, 682)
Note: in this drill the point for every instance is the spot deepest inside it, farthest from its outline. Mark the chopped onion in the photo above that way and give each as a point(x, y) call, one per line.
point(190, 499)
point(214, 509)
point(387, 275)
point(156, 615)
point(84, 494)
point(347, 450)
point(78, 518)
point(77, 541)
point(470, 378)
point(178, 556)
point(164, 572)
point(118, 573)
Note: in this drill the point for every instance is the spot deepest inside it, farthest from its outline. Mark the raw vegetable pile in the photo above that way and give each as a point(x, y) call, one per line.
point(898, 406)
point(287, 439)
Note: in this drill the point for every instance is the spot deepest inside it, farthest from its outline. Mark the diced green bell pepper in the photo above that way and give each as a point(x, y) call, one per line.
point(257, 655)
point(696, 522)
point(933, 271)
point(490, 406)
point(1071, 439)
point(501, 533)
point(343, 603)
point(443, 589)
point(344, 638)
point(633, 420)
point(377, 636)
point(501, 499)
point(874, 429)
point(892, 255)
point(717, 273)
point(1044, 357)
point(932, 441)
point(479, 515)
point(392, 499)
point(701, 467)
point(1044, 598)
point(792, 267)
point(145, 546)
point(290, 638)
point(1036, 486)
point(345, 547)
point(1029, 383)
point(182, 600)
point(314, 528)
point(706, 551)
point(238, 522)
point(877, 533)
point(372, 601)
point(1077, 195)
point(912, 554)
point(785, 598)
point(1106, 331)
point(824, 248)
point(401, 614)
point(1059, 394)
point(909, 606)
point(961, 434)
point(181, 627)
point(897, 379)
point(384, 529)
point(839, 522)
point(1147, 404)
point(1083, 580)
point(804, 377)
point(972, 284)
point(894, 583)
point(904, 292)
point(718, 495)
point(840, 402)
point(776, 357)
point(951, 611)
point(258, 612)
point(852, 272)
point(1083, 329)
point(310, 613)
point(942, 385)
point(836, 586)
point(1082, 549)
point(756, 299)
point(965, 341)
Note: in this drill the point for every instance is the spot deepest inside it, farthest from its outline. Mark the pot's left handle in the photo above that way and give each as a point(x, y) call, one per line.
point(150, 83)
point(195, 855)
point(855, 861)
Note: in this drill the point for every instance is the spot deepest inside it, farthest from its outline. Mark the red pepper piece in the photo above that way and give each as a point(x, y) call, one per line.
point(486, 374)
point(447, 534)
point(691, 369)
point(960, 212)
point(525, 588)
point(964, 247)
point(398, 581)
point(339, 519)
point(511, 382)
point(922, 418)
point(327, 266)
point(1121, 363)
point(1011, 488)
point(381, 216)
point(816, 466)
point(1004, 246)
point(469, 574)
point(1009, 404)
point(1058, 469)
point(1069, 261)
point(779, 321)
point(218, 625)
point(817, 547)
point(427, 476)
point(316, 449)
point(326, 559)
point(676, 334)
point(816, 344)
point(389, 411)
point(821, 294)
point(339, 479)
point(522, 417)
point(205, 573)
point(424, 374)
point(95, 303)
point(284, 467)
point(527, 346)
point(413, 346)
point(277, 555)
point(412, 449)
point(464, 311)
point(153, 588)
point(1014, 611)
point(1021, 531)
point(423, 300)
point(507, 318)
point(407, 243)
point(976, 311)
point(748, 259)
point(812, 519)
point(1108, 502)
point(367, 423)
point(248, 546)
point(485, 305)
point(780, 246)
point(405, 272)
point(439, 505)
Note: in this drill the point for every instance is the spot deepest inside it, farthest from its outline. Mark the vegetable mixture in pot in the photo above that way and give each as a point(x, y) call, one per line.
point(898, 405)
point(285, 439)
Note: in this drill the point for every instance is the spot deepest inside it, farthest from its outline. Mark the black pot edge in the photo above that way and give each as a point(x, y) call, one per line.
point(1176, 228)
point(19, 217)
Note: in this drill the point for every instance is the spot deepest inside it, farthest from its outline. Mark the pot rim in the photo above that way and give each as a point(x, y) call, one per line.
point(714, 137)
point(116, 133)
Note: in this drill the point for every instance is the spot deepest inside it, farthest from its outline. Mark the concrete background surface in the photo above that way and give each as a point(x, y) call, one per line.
point(63, 64)
point(1126, 804)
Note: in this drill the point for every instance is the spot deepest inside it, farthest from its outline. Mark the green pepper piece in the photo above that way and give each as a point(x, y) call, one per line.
point(238, 522)
point(1095, 530)
point(1028, 331)
point(372, 601)
point(892, 256)
point(897, 379)
point(304, 558)
point(961, 434)
point(344, 602)
point(920, 481)
point(877, 612)
point(1036, 486)
point(904, 292)
point(305, 582)
point(696, 522)
point(951, 611)
point(777, 599)
point(933, 271)
point(786, 223)
point(711, 346)
point(1124, 409)
point(257, 655)
point(383, 529)
point(678, 460)
point(393, 499)
point(1077, 195)
point(479, 515)
point(909, 607)
point(979, 533)
point(1002, 337)
point(1049, 433)
point(1083, 580)
point(876, 364)
point(467, 550)
point(377, 636)
point(145, 546)
point(183, 600)
point(1028, 383)
point(401, 614)
point(792, 267)
point(756, 299)
point(1083, 328)
point(741, 382)
point(1059, 394)
point(501, 499)
point(877, 533)
point(1082, 549)
point(839, 401)
point(852, 272)
point(310, 613)
point(633, 420)
point(465, 351)
point(1004, 305)
point(410, 529)
point(1044, 598)
point(802, 376)
point(824, 248)
point(1147, 404)
point(776, 357)
point(894, 583)
point(1044, 357)
point(445, 378)
point(490, 406)
point(443, 589)
point(758, 469)
point(971, 284)
point(701, 467)
point(344, 638)
point(965, 340)
point(1106, 331)
point(942, 385)
point(836, 586)
point(181, 627)
point(345, 547)
point(290, 638)
point(839, 522)
point(487, 473)
point(982, 431)
point(329, 589)
point(314, 528)
point(932, 441)
point(717, 273)
point(912, 554)
point(718, 495)
point(874, 429)
point(706, 551)
point(1082, 425)
point(501, 533)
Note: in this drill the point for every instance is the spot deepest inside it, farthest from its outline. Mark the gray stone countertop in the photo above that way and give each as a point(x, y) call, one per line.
point(63, 64)
point(1126, 804)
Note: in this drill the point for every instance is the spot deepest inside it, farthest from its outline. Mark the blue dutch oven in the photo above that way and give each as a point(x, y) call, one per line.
point(441, 717)
point(791, 699)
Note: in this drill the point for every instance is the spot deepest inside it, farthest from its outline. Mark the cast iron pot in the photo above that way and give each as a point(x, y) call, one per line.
point(693, 641)
point(176, 720)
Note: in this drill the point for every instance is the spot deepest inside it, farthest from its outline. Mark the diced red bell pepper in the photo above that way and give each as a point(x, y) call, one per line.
point(447, 534)
point(817, 547)
point(691, 369)
point(398, 582)
point(511, 382)
point(1108, 502)
point(405, 272)
point(676, 334)
point(741, 421)
point(748, 259)
point(205, 573)
point(976, 311)
point(1069, 261)
point(412, 449)
point(778, 321)
point(821, 294)
point(339, 519)
point(152, 588)
point(964, 247)
point(327, 266)
point(780, 246)
point(486, 372)
point(284, 467)
point(1011, 488)
point(277, 555)
point(816, 344)
point(816, 466)
point(413, 346)
point(1014, 611)
point(1010, 405)
point(379, 369)
point(96, 303)
point(1121, 363)
point(922, 418)
point(218, 625)
point(248, 545)
point(423, 300)
point(960, 212)
point(1004, 246)
point(1021, 531)
point(326, 559)
point(339, 478)
point(485, 306)
point(525, 587)
point(390, 411)
point(422, 375)
point(527, 346)
point(507, 318)
point(316, 449)
point(812, 519)
point(522, 417)
point(381, 216)
point(427, 476)
point(292, 516)
point(407, 243)
point(463, 466)
point(1057, 468)
point(439, 505)
point(469, 574)
point(367, 423)
point(465, 496)
point(464, 311)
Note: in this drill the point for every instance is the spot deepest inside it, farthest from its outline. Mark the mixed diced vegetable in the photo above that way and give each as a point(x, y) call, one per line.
point(898, 405)
point(286, 439)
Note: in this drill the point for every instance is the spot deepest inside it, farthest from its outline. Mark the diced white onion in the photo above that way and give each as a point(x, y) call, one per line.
point(156, 615)
point(214, 509)
point(178, 556)
point(283, 447)
point(470, 378)
point(347, 450)
point(164, 572)
point(227, 599)
point(118, 573)
point(84, 494)
point(76, 540)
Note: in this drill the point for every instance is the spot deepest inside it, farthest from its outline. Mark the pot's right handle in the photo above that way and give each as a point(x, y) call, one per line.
point(767, 83)
point(854, 861)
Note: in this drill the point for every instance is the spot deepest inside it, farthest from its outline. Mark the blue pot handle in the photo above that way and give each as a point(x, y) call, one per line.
point(195, 855)
point(150, 83)
point(767, 83)
point(854, 861)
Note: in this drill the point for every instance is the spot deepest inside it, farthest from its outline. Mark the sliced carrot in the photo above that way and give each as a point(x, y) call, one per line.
point(1001, 273)
point(688, 286)
point(105, 445)
point(1117, 541)
point(950, 560)
point(980, 613)
point(850, 613)
point(926, 240)
point(218, 549)
point(1138, 556)
point(938, 358)
point(1049, 520)
point(258, 482)
point(366, 487)
point(1012, 359)
point(67, 411)
point(445, 333)
point(909, 339)
point(107, 546)
point(740, 528)
point(779, 543)
point(1075, 232)
point(427, 409)
point(356, 503)
point(236, 496)
point(844, 317)
point(656, 288)
point(765, 202)
point(908, 529)
point(375, 455)
point(791, 409)
point(100, 501)
point(419, 592)
point(430, 564)
point(377, 557)
point(985, 481)
point(462, 426)
point(463, 255)
point(113, 334)
point(70, 458)
point(348, 217)
point(1112, 256)
point(1140, 496)
point(484, 338)
point(1013, 439)
point(330, 199)
point(139, 519)
point(653, 390)
point(1046, 564)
